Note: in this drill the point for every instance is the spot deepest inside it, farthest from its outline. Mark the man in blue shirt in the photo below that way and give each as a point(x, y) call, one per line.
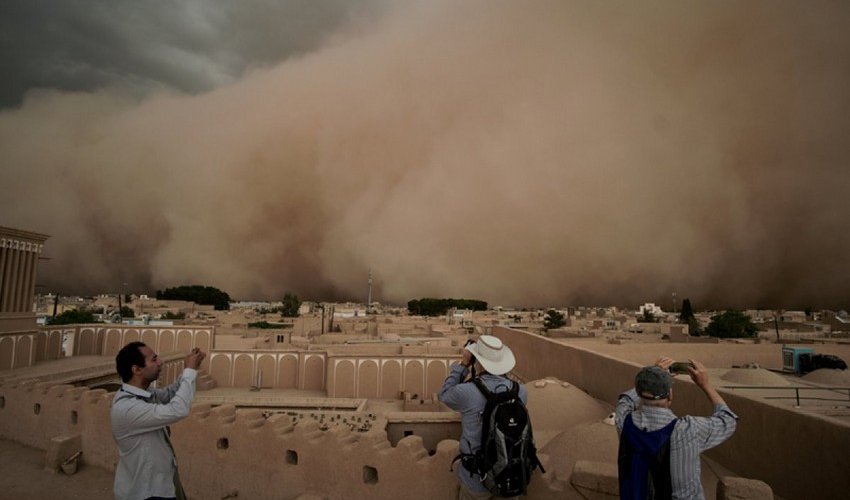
point(491, 360)
point(658, 451)
point(147, 467)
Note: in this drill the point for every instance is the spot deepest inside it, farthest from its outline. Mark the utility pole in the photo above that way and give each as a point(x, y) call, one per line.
point(369, 300)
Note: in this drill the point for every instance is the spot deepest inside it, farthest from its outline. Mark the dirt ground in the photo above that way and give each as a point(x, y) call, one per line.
point(23, 477)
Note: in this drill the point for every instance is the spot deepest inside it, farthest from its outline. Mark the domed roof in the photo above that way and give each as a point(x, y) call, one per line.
point(555, 406)
point(829, 376)
point(753, 376)
point(596, 441)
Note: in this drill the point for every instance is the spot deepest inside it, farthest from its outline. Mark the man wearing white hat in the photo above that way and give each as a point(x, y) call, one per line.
point(490, 359)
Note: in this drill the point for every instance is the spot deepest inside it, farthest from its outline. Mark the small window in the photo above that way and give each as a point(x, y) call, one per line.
point(36, 408)
point(370, 475)
point(74, 417)
point(408, 433)
point(223, 444)
point(292, 457)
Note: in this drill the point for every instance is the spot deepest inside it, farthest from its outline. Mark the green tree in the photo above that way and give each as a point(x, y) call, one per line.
point(647, 317)
point(204, 295)
point(127, 312)
point(172, 316)
point(263, 325)
point(687, 317)
point(73, 317)
point(438, 307)
point(731, 324)
point(290, 306)
point(553, 319)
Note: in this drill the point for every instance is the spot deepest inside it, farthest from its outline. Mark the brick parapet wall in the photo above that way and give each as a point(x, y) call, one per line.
point(222, 451)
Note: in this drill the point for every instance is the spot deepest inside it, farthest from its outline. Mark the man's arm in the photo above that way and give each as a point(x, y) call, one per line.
point(720, 426)
point(700, 377)
point(448, 393)
point(193, 361)
point(135, 416)
point(626, 403)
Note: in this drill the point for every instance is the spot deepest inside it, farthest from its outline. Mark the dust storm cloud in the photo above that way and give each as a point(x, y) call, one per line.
point(544, 153)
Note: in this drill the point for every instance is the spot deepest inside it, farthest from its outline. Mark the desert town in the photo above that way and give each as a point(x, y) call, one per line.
point(332, 250)
point(339, 400)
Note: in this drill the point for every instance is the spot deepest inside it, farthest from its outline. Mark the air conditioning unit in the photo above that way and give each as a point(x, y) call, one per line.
point(791, 361)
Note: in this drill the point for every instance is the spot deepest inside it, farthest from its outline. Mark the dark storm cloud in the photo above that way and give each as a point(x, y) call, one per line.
point(140, 46)
point(524, 153)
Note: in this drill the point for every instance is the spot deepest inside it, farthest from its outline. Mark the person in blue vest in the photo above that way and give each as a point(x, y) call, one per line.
point(659, 454)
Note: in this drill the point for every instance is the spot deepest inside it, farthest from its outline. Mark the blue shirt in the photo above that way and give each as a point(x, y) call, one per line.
point(466, 399)
point(691, 436)
point(146, 462)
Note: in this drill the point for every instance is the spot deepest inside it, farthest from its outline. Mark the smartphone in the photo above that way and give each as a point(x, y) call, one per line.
point(680, 367)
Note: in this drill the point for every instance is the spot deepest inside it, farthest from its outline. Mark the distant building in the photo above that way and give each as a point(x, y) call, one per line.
point(651, 309)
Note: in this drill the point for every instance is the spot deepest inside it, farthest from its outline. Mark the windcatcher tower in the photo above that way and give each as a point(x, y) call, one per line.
point(19, 254)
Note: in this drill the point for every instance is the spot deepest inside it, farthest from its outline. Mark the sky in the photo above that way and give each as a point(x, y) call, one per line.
point(544, 153)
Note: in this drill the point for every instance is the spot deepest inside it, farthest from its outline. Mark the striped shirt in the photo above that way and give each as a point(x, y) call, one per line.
point(691, 436)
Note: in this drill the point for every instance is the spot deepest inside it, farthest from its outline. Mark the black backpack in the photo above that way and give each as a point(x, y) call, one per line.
point(507, 456)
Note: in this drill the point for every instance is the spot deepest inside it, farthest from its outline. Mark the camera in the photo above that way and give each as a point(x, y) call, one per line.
point(680, 367)
point(472, 358)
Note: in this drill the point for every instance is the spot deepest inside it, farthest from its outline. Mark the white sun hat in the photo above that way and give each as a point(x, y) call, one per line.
point(493, 355)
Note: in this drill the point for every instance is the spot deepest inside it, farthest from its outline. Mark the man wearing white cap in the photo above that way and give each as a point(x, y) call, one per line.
point(491, 359)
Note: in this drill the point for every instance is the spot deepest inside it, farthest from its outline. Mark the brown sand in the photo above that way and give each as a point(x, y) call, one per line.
point(754, 376)
point(595, 441)
point(828, 376)
point(24, 477)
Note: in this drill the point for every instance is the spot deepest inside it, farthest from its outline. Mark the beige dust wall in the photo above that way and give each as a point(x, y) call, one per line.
point(296, 369)
point(798, 455)
point(386, 377)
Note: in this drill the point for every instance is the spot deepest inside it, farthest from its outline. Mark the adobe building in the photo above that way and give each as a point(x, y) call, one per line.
point(21, 344)
point(360, 421)
point(356, 416)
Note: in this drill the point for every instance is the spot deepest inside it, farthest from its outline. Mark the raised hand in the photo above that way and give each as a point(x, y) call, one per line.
point(664, 362)
point(194, 358)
